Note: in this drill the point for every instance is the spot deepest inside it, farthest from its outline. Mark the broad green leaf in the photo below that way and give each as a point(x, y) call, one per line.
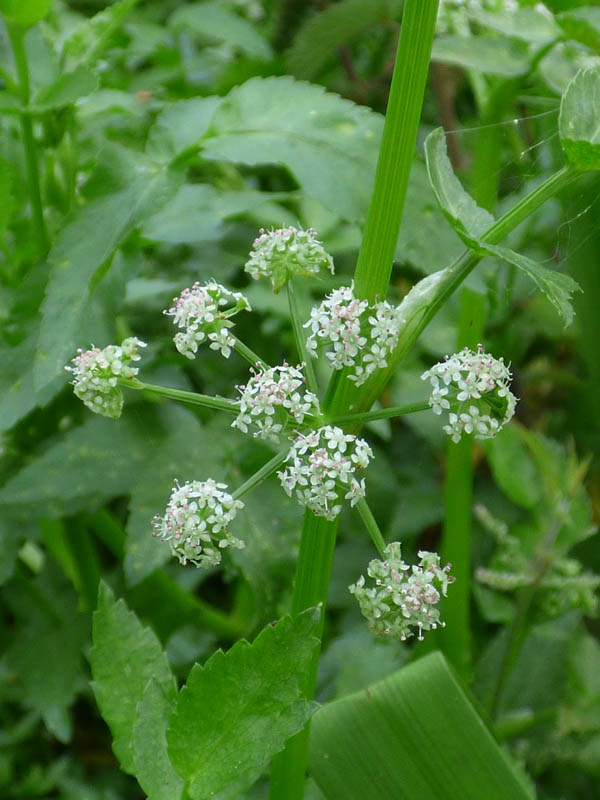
point(66, 89)
point(236, 711)
point(153, 769)
point(92, 35)
point(170, 458)
point(133, 189)
point(329, 144)
point(25, 12)
point(578, 125)
point(214, 22)
point(488, 54)
point(180, 126)
point(513, 468)
point(89, 465)
point(124, 657)
point(528, 24)
point(562, 63)
point(412, 735)
point(319, 39)
point(466, 217)
point(46, 654)
point(557, 287)
point(191, 216)
point(425, 241)
point(583, 25)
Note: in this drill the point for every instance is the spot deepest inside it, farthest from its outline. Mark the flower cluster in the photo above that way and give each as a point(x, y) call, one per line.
point(403, 597)
point(474, 388)
point(196, 521)
point(204, 311)
point(285, 252)
point(273, 397)
point(323, 463)
point(96, 375)
point(359, 336)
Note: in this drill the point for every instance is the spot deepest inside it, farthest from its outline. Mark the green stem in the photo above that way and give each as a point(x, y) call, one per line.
point(250, 356)
point(371, 525)
point(262, 474)
point(373, 269)
point(311, 379)
point(382, 225)
point(458, 501)
point(381, 413)
point(17, 39)
point(192, 398)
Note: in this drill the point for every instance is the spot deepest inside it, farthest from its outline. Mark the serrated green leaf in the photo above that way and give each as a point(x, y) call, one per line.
point(214, 22)
point(583, 25)
point(153, 770)
point(91, 464)
point(191, 216)
point(172, 458)
point(490, 55)
point(132, 189)
point(68, 88)
point(578, 125)
point(319, 39)
point(329, 144)
point(466, 217)
point(471, 222)
point(557, 287)
point(412, 735)
point(237, 711)
point(124, 657)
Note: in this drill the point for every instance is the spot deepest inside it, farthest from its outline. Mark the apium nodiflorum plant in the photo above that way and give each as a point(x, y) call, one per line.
point(319, 463)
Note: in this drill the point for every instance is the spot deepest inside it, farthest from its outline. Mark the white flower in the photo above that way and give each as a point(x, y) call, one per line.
point(323, 463)
point(96, 375)
point(359, 336)
point(474, 388)
point(196, 522)
point(203, 312)
point(403, 597)
point(273, 399)
point(280, 254)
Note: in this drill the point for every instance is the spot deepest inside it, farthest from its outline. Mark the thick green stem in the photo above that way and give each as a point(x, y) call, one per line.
point(371, 525)
point(458, 500)
point(191, 398)
point(372, 276)
point(262, 474)
point(17, 40)
point(311, 379)
point(381, 413)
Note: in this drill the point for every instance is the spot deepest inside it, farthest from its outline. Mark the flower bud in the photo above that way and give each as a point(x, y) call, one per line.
point(283, 253)
point(96, 375)
point(272, 399)
point(473, 388)
point(357, 336)
point(322, 464)
point(403, 597)
point(203, 313)
point(196, 521)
